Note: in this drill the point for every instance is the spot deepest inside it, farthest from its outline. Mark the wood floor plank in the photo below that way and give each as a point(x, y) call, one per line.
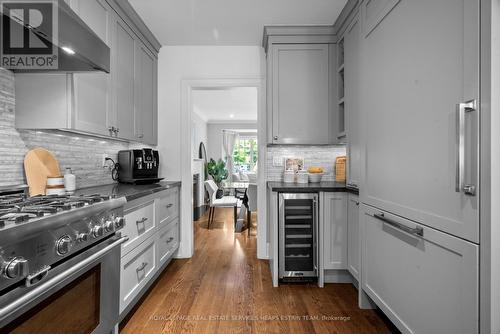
point(224, 288)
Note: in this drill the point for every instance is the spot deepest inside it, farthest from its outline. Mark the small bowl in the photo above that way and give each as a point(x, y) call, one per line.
point(315, 177)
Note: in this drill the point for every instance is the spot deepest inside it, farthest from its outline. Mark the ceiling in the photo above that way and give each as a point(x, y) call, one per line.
point(226, 105)
point(229, 22)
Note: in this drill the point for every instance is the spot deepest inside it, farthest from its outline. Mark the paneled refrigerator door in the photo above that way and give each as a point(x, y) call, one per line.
point(419, 69)
point(298, 230)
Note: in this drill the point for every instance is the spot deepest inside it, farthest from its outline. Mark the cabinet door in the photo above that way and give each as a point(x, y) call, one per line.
point(351, 100)
point(353, 246)
point(334, 222)
point(146, 112)
point(93, 103)
point(300, 99)
point(125, 45)
point(425, 282)
point(409, 103)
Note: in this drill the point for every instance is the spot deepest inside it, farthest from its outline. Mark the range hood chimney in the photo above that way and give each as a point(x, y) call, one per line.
point(79, 48)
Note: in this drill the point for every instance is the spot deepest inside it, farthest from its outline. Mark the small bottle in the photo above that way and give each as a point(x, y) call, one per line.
point(69, 181)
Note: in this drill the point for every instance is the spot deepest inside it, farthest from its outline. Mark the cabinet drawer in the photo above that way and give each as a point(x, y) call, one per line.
point(167, 206)
point(136, 270)
point(411, 276)
point(168, 241)
point(139, 225)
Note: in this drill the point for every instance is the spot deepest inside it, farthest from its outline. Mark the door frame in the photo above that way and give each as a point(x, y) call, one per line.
point(187, 88)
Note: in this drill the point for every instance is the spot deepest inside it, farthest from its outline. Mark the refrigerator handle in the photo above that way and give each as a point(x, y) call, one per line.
point(460, 186)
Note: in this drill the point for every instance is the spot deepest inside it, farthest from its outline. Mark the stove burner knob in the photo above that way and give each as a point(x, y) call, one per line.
point(119, 222)
point(64, 245)
point(97, 231)
point(16, 268)
point(82, 237)
point(109, 226)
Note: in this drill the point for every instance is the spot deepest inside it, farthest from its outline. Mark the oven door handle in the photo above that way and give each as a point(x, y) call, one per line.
point(41, 289)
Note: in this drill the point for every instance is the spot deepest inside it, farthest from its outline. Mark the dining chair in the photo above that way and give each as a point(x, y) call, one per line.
point(224, 202)
point(252, 203)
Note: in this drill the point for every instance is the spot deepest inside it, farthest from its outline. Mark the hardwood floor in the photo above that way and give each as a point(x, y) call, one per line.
point(224, 288)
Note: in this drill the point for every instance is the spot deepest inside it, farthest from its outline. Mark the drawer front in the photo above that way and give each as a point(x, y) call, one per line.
point(168, 241)
point(136, 270)
point(411, 276)
point(139, 225)
point(167, 206)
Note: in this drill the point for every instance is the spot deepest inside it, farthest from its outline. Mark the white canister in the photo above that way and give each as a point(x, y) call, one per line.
point(289, 177)
point(69, 181)
point(302, 176)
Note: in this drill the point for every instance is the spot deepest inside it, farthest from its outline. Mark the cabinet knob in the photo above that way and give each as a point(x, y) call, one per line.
point(140, 135)
point(275, 137)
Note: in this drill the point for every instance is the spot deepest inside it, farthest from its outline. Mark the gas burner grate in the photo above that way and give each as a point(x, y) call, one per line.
point(17, 217)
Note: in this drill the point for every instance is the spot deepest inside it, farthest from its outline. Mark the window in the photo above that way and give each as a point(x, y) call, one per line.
point(245, 154)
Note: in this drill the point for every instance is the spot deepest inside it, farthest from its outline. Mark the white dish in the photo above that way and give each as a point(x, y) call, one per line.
point(315, 177)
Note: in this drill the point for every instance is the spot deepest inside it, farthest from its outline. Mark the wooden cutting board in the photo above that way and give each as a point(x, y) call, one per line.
point(38, 165)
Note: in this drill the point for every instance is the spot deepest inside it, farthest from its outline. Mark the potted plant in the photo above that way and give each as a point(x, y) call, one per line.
point(217, 170)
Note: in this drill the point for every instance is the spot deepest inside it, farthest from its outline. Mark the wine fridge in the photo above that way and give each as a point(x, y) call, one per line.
point(298, 235)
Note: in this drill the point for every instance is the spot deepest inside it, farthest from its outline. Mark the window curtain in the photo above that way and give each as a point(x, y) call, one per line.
point(229, 139)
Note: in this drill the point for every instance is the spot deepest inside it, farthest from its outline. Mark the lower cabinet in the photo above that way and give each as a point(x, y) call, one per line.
point(424, 280)
point(137, 267)
point(333, 219)
point(152, 225)
point(353, 246)
point(168, 241)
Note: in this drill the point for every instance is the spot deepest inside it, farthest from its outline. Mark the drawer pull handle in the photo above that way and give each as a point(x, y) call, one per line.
point(169, 205)
point(142, 267)
point(418, 231)
point(142, 221)
point(170, 240)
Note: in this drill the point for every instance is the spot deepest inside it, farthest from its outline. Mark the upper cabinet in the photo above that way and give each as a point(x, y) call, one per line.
point(146, 113)
point(92, 91)
point(300, 64)
point(120, 104)
point(350, 101)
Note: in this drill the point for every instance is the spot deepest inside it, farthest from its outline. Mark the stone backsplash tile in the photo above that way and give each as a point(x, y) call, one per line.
point(81, 153)
point(322, 156)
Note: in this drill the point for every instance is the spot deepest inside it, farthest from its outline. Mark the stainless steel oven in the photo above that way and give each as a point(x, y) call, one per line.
point(298, 236)
point(80, 295)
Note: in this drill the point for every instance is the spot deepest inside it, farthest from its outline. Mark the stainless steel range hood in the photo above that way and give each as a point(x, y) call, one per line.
point(79, 48)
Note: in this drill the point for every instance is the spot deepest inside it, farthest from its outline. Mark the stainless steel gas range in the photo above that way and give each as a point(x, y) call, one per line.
point(59, 263)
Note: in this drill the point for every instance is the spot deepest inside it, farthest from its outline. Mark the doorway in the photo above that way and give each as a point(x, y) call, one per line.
point(203, 102)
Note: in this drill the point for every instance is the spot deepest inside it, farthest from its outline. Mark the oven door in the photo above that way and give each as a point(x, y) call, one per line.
point(79, 295)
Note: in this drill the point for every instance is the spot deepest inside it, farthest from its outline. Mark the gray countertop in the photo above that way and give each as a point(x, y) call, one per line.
point(129, 191)
point(326, 186)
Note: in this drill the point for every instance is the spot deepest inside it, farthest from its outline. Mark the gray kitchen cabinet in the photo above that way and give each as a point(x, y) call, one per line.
point(300, 94)
point(92, 92)
point(413, 165)
point(301, 108)
point(333, 230)
point(146, 110)
point(425, 282)
point(121, 104)
point(351, 76)
point(154, 231)
point(353, 245)
point(125, 45)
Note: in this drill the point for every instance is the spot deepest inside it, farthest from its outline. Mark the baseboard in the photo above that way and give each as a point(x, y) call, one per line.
point(338, 276)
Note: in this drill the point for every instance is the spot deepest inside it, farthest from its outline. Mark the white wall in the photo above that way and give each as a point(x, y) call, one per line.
point(178, 63)
point(214, 148)
point(199, 134)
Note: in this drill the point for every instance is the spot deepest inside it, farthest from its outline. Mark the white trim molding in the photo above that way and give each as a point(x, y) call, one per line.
point(187, 87)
